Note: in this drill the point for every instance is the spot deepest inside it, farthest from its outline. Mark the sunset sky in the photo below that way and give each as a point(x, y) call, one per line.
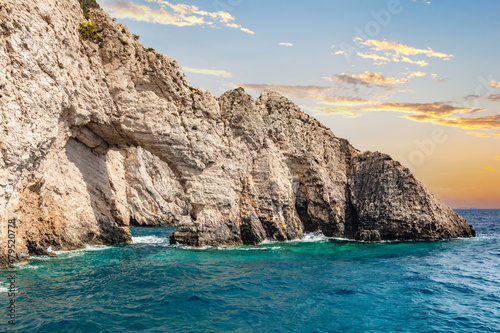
point(419, 80)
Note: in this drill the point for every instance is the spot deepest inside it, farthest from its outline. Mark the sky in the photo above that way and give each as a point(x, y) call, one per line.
point(418, 80)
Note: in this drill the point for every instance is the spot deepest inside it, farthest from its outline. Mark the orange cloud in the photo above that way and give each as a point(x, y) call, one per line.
point(489, 168)
point(180, 15)
point(213, 72)
point(437, 109)
point(495, 84)
point(486, 122)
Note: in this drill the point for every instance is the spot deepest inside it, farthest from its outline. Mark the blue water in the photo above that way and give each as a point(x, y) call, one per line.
point(315, 285)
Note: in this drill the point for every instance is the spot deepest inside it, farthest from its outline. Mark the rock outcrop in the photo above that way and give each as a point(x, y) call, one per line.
point(98, 134)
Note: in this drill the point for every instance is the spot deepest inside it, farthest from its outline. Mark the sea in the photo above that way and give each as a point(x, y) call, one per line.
point(316, 284)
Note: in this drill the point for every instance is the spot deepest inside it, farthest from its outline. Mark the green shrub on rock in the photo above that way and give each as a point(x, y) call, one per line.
point(86, 4)
point(88, 30)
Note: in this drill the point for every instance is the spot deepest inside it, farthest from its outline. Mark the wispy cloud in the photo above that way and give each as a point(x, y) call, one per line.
point(286, 44)
point(336, 100)
point(336, 110)
point(342, 101)
point(436, 78)
point(493, 98)
point(420, 63)
point(399, 48)
point(203, 71)
point(365, 79)
point(489, 168)
point(482, 123)
point(322, 95)
point(300, 92)
point(383, 52)
point(438, 109)
point(166, 13)
point(378, 60)
point(327, 99)
point(368, 79)
point(444, 114)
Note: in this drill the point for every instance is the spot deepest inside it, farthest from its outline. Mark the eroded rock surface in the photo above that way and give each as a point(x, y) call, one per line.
point(100, 134)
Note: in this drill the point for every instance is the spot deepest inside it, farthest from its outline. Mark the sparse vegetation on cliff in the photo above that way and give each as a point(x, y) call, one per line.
point(86, 4)
point(88, 30)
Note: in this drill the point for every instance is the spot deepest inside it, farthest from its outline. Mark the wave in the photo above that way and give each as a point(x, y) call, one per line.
point(488, 236)
point(24, 266)
point(71, 253)
point(150, 240)
point(309, 237)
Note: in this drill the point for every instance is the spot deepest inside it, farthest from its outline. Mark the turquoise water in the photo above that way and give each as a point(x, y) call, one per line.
point(315, 285)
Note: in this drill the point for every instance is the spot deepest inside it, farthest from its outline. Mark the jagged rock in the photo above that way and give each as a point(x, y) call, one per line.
point(101, 134)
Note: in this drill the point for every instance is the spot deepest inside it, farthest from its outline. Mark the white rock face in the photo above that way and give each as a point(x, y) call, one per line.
point(100, 134)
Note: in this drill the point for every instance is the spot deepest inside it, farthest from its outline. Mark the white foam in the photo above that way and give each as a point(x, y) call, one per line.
point(309, 237)
point(487, 236)
point(201, 248)
point(313, 237)
point(247, 248)
point(149, 240)
point(96, 248)
point(3, 289)
point(40, 257)
point(29, 266)
point(71, 253)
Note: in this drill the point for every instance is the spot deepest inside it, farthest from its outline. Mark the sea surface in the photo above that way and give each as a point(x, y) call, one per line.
point(312, 285)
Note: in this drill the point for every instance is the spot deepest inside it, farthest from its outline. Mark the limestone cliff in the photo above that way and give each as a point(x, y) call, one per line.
point(97, 134)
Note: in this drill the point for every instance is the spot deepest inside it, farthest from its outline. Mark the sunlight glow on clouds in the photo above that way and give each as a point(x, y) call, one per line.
point(437, 109)
point(495, 84)
point(180, 15)
point(286, 44)
point(482, 123)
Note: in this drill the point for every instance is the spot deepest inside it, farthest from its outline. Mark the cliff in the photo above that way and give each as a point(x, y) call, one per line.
point(98, 134)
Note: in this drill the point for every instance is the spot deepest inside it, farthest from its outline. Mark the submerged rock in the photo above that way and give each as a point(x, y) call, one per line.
point(99, 134)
